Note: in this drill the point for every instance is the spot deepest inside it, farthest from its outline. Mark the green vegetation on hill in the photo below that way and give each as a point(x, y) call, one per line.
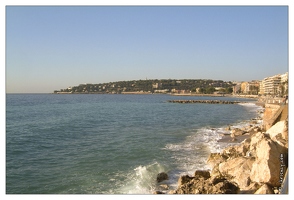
point(203, 86)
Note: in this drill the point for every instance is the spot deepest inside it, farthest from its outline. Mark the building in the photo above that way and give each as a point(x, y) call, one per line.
point(284, 77)
point(237, 88)
point(243, 87)
point(156, 85)
point(261, 88)
point(274, 85)
point(252, 87)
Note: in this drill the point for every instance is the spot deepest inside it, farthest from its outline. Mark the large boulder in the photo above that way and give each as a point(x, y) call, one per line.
point(279, 127)
point(161, 177)
point(238, 169)
point(267, 166)
point(279, 133)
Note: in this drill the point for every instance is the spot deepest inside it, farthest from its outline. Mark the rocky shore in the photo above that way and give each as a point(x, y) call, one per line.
point(257, 165)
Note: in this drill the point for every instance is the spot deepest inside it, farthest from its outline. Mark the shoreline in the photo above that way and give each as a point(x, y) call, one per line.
point(247, 166)
point(172, 94)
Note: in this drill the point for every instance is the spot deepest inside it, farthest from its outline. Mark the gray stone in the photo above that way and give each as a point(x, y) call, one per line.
point(161, 177)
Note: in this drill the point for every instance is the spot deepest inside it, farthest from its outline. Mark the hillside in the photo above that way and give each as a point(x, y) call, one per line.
point(204, 86)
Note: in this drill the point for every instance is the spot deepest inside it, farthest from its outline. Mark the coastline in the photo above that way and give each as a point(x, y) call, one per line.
point(255, 163)
point(172, 94)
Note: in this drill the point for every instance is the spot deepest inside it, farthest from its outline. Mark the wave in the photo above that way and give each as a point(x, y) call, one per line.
point(142, 179)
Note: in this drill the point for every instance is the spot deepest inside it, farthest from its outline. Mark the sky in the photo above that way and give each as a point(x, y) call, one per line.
point(53, 47)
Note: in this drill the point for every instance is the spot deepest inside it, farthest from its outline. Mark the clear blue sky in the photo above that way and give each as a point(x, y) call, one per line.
point(54, 47)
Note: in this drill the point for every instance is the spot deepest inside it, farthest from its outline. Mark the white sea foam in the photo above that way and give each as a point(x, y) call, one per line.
point(252, 106)
point(142, 180)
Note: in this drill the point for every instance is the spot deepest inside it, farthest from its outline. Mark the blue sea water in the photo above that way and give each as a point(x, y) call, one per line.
point(110, 144)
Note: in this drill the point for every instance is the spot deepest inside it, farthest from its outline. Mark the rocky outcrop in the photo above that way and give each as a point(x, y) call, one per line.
point(201, 184)
point(257, 165)
point(252, 167)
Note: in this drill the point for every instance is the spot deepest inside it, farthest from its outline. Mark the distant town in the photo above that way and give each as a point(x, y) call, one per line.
point(276, 85)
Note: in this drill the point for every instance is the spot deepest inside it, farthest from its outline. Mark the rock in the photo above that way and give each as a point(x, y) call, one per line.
point(172, 192)
point(255, 139)
point(264, 189)
point(237, 132)
point(217, 179)
point(225, 187)
point(254, 121)
point(253, 130)
point(244, 147)
point(231, 152)
point(184, 179)
point(163, 187)
point(161, 177)
point(228, 128)
point(280, 140)
point(251, 189)
point(266, 168)
point(215, 158)
point(285, 131)
point(280, 127)
point(202, 173)
point(201, 186)
point(238, 169)
point(277, 128)
point(256, 129)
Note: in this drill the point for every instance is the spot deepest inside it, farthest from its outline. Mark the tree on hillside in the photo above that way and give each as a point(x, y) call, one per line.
point(210, 90)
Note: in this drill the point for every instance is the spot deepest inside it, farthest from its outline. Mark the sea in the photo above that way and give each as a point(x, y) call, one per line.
point(112, 143)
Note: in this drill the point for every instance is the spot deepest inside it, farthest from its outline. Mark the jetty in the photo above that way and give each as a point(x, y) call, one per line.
point(205, 101)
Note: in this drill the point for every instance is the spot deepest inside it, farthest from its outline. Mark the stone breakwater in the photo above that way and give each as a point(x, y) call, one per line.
point(257, 165)
point(205, 101)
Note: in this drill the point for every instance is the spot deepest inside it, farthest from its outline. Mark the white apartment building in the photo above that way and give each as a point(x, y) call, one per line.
point(273, 85)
